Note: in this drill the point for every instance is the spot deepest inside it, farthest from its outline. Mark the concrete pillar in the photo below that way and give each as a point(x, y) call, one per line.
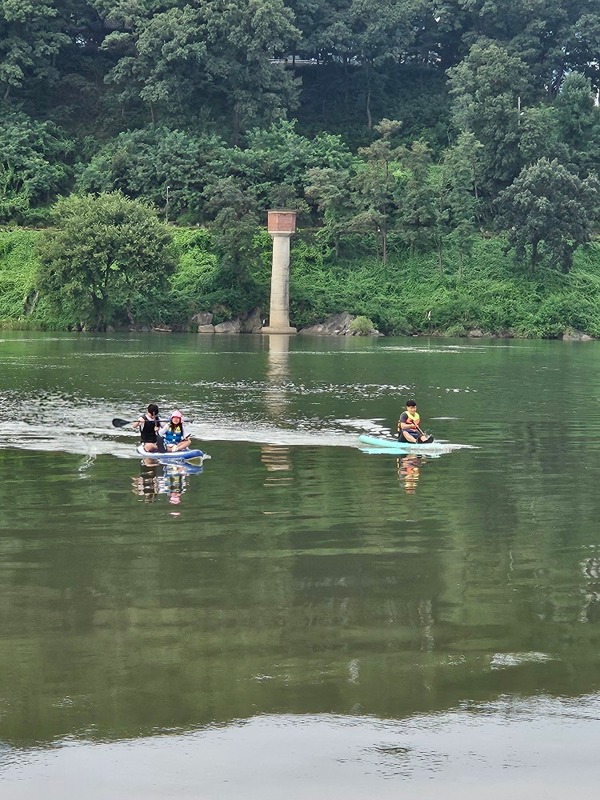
point(281, 226)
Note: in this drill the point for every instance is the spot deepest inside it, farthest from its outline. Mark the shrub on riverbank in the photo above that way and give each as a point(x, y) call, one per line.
point(408, 295)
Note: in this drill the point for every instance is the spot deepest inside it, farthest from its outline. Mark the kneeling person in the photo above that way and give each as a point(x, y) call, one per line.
point(149, 424)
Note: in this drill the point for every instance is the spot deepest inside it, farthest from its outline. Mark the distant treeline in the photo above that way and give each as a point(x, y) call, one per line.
point(414, 123)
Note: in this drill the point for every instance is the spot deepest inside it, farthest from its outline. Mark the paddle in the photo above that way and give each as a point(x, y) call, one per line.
point(428, 440)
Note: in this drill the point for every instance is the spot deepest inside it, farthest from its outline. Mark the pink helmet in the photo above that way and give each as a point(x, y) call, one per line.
point(176, 413)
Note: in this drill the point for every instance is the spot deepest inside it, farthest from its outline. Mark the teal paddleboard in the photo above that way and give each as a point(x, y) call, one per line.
point(385, 443)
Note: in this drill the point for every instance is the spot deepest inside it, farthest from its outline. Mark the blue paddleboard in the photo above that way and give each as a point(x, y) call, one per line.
point(177, 455)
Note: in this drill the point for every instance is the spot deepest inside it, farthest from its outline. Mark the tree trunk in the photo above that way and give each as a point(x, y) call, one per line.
point(534, 256)
point(369, 117)
point(235, 136)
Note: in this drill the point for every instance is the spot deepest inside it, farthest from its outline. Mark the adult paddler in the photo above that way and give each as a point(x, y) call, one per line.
point(409, 426)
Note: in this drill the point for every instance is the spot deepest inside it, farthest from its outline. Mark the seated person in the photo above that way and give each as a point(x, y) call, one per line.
point(408, 426)
point(174, 434)
point(149, 425)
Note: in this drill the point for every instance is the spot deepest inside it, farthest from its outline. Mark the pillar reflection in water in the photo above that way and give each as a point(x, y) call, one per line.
point(276, 457)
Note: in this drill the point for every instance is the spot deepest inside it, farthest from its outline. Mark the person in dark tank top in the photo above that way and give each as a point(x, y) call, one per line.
point(149, 425)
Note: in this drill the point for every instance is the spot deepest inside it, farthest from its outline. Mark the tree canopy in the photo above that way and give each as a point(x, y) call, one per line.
point(99, 256)
point(211, 111)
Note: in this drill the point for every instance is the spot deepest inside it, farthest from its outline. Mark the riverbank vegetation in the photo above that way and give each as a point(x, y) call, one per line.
point(443, 162)
point(406, 295)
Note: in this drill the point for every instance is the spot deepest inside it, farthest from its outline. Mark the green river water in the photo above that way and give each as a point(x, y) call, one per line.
point(299, 618)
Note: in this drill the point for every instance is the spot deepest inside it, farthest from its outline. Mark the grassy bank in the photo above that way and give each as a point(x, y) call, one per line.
point(407, 295)
point(411, 295)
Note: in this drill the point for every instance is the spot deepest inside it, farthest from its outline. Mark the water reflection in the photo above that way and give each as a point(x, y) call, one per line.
point(116, 623)
point(590, 611)
point(276, 396)
point(513, 747)
point(157, 479)
point(409, 471)
point(276, 458)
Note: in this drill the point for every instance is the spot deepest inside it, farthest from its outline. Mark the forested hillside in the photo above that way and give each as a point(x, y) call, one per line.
point(399, 129)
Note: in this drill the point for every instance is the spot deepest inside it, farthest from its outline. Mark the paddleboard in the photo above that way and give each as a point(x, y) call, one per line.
point(388, 444)
point(177, 455)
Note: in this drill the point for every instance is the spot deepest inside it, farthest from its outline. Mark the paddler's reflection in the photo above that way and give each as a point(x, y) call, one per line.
point(175, 482)
point(171, 480)
point(409, 470)
point(146, 484)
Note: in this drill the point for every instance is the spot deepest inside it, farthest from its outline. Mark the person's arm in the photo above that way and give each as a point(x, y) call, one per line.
point(162, 430)
point(138, 422)
point(403, 421)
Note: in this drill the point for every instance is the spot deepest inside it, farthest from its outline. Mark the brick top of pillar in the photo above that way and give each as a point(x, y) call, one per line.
point(281, 221)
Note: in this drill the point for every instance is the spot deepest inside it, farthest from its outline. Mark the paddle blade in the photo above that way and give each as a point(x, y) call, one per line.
point(121, 423)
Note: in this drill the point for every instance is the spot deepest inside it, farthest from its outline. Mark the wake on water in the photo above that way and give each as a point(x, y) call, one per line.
point(61, 422)
point(72, 433)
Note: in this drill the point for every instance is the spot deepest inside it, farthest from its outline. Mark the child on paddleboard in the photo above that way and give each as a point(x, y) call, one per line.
point(174, 434)
point(409, 429)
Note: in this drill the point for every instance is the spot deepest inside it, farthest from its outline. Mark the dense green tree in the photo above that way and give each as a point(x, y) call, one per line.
point(440, 34)
point(416, 218)
point(329, 189)
point(32, 164)
point(380, 32)
point(522, 81)
point(273, 165)
point(552, 37)
point(488, 87)
point(549, 212)
point(106, 255)
point(457, 203)
point(234, 215)
point(584, 43)
point(30, 38)
point(214, 53)
point(578, 122)
point(375, 186)
point(143, 163)
point(276, 161)
point(540, 136)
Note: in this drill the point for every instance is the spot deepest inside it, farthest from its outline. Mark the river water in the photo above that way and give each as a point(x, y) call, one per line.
point(298, 617)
